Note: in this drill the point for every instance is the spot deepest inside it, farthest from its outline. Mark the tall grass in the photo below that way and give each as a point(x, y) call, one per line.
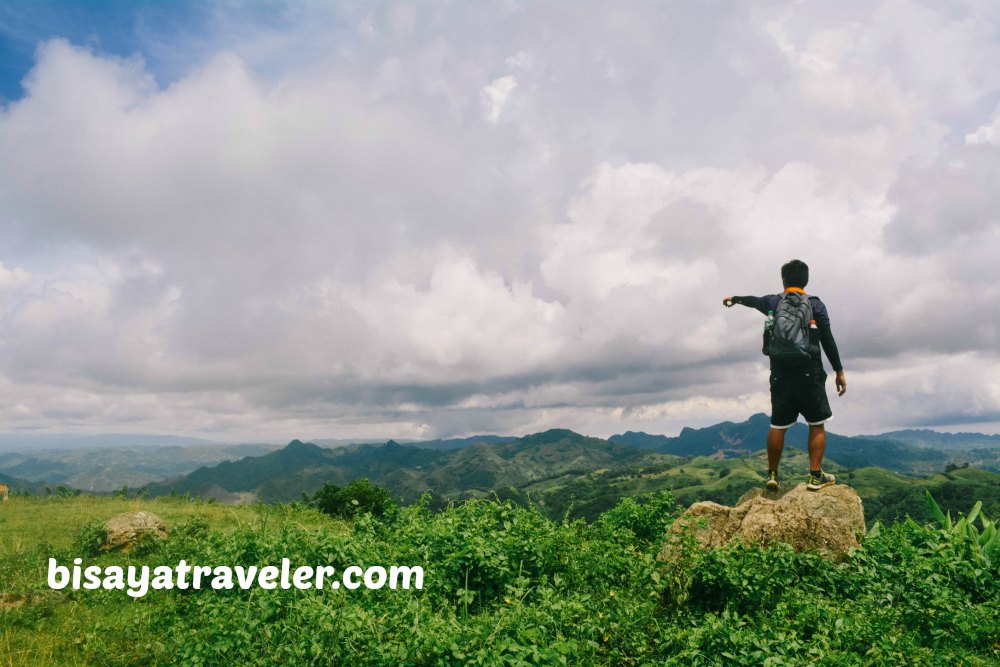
point(504, 585)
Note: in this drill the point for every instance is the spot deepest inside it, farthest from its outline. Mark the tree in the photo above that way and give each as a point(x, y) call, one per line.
point(357, 497)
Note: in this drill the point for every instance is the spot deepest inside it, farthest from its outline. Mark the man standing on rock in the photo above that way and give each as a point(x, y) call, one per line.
point(797, 375)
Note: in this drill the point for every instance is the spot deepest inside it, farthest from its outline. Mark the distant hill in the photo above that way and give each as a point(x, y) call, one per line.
point(16, 484)
point(565, 473)
point(461, 443)
point(730, 439)
point(438, 443)
point(101, 469)
point(410, 470)
point(887, 495)
point(948, 441)
point(561, 471)
point(109, 462)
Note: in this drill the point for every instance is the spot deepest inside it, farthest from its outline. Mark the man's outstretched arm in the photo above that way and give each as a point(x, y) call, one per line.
point(748, 301)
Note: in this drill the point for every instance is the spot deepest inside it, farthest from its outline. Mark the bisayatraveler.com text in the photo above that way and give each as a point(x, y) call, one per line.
point(139, 580)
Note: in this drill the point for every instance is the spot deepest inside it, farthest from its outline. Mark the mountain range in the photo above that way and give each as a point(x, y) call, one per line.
point(559, 470)
point(571, 474)
point(410, 470)
point(946, 441)
point(109, 467)
point(886, 451)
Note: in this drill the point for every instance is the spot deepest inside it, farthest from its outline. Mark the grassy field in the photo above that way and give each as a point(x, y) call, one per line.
point(504, 585)
point(888, 496)
point(53, 628)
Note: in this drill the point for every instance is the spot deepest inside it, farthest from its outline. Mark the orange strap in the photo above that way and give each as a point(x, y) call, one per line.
point(800, 291)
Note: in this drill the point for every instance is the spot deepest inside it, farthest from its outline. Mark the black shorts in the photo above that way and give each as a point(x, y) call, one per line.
point(799, 391)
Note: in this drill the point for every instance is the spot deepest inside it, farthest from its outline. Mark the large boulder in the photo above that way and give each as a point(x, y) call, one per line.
point(830, 520)
point(128, 529)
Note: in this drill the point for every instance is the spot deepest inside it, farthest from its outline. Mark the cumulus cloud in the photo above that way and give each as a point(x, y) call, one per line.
point(986, 134)
point(457, 219)
point(495, 96)
point(12, 280)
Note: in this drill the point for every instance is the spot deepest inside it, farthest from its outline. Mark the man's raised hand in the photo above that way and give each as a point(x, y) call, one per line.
point(728, 302)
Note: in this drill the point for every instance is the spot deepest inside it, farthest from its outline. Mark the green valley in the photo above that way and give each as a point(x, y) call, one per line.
point(567, 474)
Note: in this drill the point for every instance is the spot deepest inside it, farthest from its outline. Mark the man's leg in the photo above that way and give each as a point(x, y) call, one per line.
point(816, 410)
point(784, 412)
point(775, 445)
point(817, 446)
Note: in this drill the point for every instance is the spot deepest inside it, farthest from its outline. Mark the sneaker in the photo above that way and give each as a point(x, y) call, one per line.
point(772, 481)
point(818, 482)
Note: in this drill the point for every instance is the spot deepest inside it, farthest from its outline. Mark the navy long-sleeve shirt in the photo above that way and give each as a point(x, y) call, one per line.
point(820, 314)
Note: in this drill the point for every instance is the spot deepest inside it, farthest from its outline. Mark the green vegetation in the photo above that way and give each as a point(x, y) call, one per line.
point(54, 629)
point(559, 469)
point(504, 585)
point(408, 471)
point(898, 452)
point(358, 497)
point(564, 474)
point(888, 496)
point(954, 491)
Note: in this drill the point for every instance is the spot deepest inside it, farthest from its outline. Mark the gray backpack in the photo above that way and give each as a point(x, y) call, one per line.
point(786, 339)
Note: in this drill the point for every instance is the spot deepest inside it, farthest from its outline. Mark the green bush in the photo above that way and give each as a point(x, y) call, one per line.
point(357, 497)
point(90, 537)
point(646, 517)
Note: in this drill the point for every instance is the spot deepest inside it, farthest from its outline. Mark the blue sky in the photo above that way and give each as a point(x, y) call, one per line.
point(349, 219)
point(117, 28)
point(169, 35)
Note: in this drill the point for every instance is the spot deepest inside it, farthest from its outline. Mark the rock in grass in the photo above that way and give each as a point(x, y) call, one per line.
point(829, 520)
point(11, 601)
point(129, 529)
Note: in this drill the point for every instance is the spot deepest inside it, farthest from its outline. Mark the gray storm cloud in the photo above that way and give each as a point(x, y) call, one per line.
point(457, 219)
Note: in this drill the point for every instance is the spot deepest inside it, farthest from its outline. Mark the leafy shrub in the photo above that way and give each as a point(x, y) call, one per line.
point(90, 537)
point(345, 502)
point(195, 528)
point(646, 517)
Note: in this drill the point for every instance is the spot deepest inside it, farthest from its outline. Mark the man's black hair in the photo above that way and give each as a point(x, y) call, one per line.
point(795, 274)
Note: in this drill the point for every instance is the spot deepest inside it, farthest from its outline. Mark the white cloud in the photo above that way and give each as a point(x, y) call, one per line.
point(986, 134)
point(12, 280)
point(467, 324)
point(307, 235)
point(495, 96)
